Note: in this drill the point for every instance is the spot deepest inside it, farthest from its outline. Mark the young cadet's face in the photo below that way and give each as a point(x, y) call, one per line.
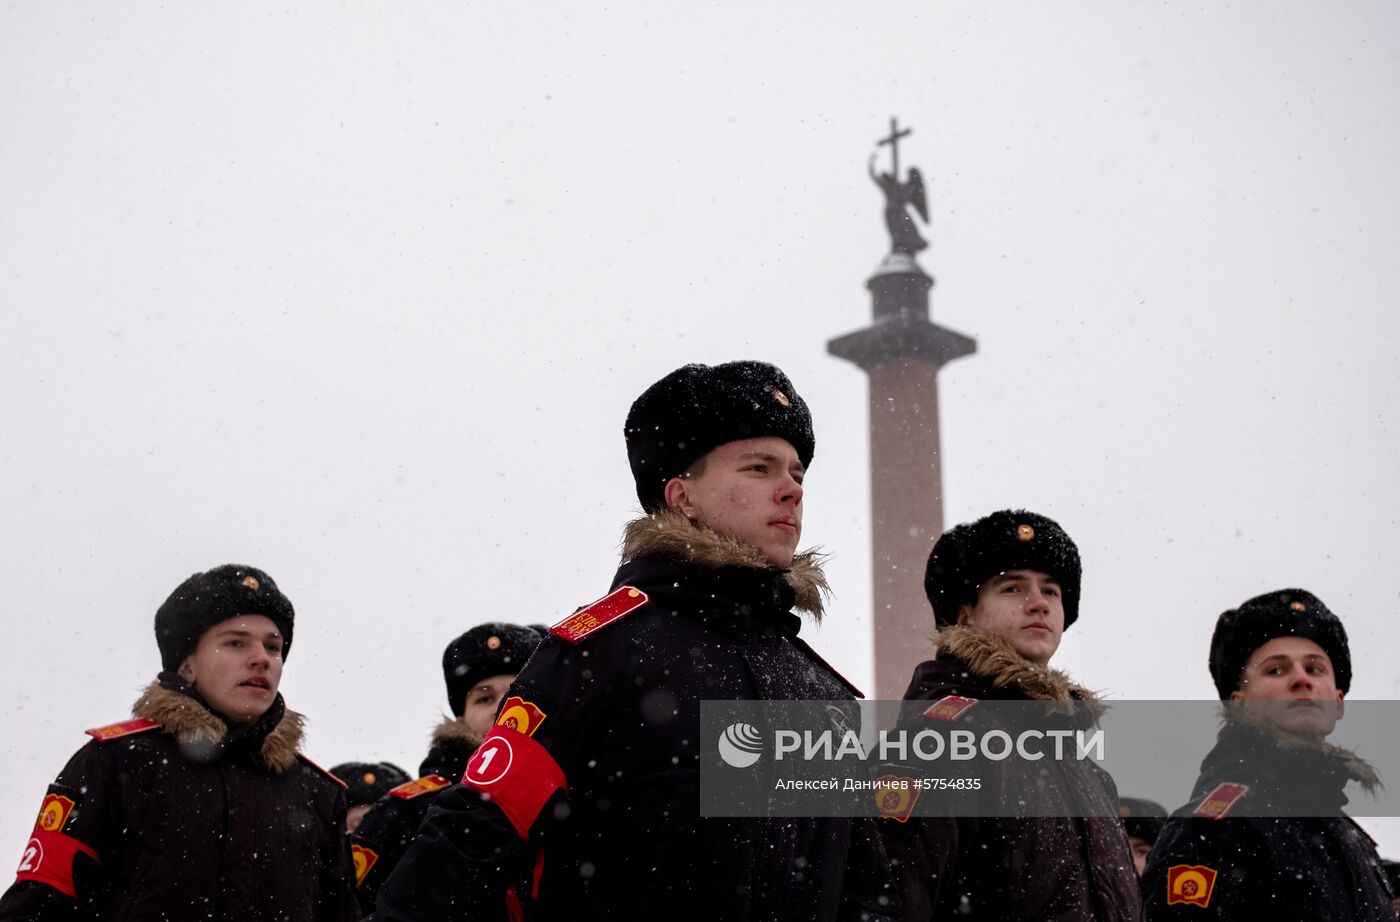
point(237, 667)
point(751, 490)
point(1291, 681)
point(479, 711)
point(1140, 848)
point(353, 817)
point(1023, 607)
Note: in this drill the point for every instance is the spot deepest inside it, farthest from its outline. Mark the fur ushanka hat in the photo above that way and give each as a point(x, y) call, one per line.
point(495, 648)
point(1283, 613)
point(696, 408)
point(207, 598)
point(968, 555)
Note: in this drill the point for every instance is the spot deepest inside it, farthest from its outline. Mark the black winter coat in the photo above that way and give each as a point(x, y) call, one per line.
point(186, 820)
point(599, 800)
point(387, 829)
point(1273, 844)
point(1007, 868)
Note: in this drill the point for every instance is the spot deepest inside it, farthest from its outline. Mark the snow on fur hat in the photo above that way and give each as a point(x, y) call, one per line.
point(968, 555)
point(696, 408)
point(1283, 613)
point(207, 598)
point(487, 650)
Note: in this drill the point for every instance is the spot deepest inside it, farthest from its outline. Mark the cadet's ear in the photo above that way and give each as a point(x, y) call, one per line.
point(964, 614)
point(677, 495)
point(186, 670)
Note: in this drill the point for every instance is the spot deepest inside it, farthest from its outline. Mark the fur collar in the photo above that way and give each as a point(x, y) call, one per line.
point(1355, 767)
point(994, 659)
point(671, 534)
point(192, 724)
point(453, 732)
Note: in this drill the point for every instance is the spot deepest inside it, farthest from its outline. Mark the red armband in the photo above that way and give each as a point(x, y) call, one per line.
point(48, 859)
point(517, 773)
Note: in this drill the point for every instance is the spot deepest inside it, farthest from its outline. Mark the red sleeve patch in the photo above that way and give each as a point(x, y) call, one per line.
point(521, 715)
point(364, 860)
point(53, 813)
point(1190, 884)
point(125, 728)
point(517, 773)
point(895, 796)
point(420, 786)
point(600, 614)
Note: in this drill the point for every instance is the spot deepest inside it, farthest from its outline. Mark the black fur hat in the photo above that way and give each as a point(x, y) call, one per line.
point(366, 782)
point(1284, 613)
point(696, 408)
point(968, 555)
point(207, 598)
point(484, 651)
point(1143, 819)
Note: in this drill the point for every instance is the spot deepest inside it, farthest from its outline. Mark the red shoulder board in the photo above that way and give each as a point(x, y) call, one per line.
point(307, 759)
point(1219, 801)
point(125, 728)
point(600, 614)
point(419, 786)
point(949, 708)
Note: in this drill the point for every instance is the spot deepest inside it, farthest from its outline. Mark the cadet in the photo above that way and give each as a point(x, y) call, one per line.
point(202, 807)
point(589, 781)
point(1264, 836)
point(477, 668)
point(365, 783)
point(1003, 589)
point(1142, 821)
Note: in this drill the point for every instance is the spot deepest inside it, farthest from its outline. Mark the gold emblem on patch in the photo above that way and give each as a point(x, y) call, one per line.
point(1297, 606)
point(251, 582)
point(493, 642)
point(521, 716)
point(1025, 532)
point(364, 860)
point(781, 397)
point(368, 778)
point(895, 796)
point(1190, 884)
point(54, 812)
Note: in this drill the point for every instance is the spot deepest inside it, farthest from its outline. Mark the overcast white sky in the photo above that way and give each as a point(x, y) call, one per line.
point(360, 294)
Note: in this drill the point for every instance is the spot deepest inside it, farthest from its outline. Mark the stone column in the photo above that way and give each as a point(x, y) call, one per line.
point(902, 351)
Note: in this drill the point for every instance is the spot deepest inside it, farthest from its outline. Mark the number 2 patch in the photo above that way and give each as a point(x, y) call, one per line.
point(49, 854)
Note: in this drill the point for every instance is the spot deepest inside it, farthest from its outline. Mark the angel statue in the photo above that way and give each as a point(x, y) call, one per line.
point(904, 236)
